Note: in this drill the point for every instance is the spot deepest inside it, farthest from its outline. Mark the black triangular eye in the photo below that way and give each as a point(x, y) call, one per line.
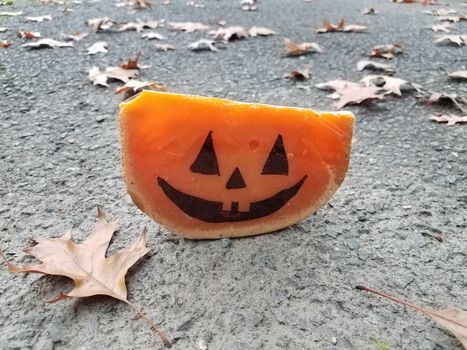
point(206, 161)
point(277, 163)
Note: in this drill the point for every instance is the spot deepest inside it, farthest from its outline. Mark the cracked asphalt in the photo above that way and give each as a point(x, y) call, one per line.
point(398, 222)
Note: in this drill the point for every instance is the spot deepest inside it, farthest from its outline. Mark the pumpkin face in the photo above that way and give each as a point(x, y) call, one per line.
point(210, 168)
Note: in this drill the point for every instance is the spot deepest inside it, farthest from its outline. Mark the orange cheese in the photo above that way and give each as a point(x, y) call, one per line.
point(210, 168)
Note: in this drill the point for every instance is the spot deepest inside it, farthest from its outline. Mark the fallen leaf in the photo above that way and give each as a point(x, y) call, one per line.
point(328, 27)
point(386, 51)
point(11, 13)
point(248, 5)
point(139, 25)
point(203, 45)
point(132, 63)
point(453, 19)
point(5, 43)
point(134, 86)
point(440, 12)
point(136, 4)
point(98, 47)
point(3, 29)
point(369, 11)
point(29, 35)
point(445, 27)
point(86, 264)
point(298, 49)
point(153, 35)
point(47, 43)
point(390, 85)
point(260, 31)
point(441, 97)
point(229, 33)
point(299, 74)
point(348, 92)
point(100, 24)
point(116, 73)
point(361, 65)
point(451, 119)
point(189, 27)
point(164, 47)
point(453, 319)
point(460, 74)
point(456, 39)
point(97, 77)
point(76, 36)
point(39, 18)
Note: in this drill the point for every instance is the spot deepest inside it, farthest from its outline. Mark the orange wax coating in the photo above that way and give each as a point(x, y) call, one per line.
point(198, 165)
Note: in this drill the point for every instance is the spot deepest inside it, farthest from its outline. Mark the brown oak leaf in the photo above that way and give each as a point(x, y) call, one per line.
point(299, 74)
point(451, 119)
point(28, 35)
point(298, 49)
point(453, 319)
point(386, 51)
point(348, 92)
point(328, 27)
point(134, 87)
point(5, 43)
point(86, 264)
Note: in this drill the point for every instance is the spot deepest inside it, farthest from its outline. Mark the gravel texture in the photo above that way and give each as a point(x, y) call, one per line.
point(406, 186)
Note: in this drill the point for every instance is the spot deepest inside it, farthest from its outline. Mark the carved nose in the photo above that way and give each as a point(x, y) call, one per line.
point(235, 181)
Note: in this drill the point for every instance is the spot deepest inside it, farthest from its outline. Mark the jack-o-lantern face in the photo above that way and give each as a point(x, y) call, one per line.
point(206, 163)
point(209, 168)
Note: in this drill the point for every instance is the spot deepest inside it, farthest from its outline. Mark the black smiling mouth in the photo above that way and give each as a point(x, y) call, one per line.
point(211, 211)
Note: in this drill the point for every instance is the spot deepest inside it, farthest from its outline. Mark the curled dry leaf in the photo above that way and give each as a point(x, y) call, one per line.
point(132, 63)
point(100, 24)
point(116, 73)
point(139, 25)
point(189, 27)
point(28, 35)
point(442, 98)
point(39, 18)
point(364, 64)
point(86, 264)
point(328, 27)
point(77, 36)
point(460, 74)
point(455, 39)
point(5, 43)
point(153, 35)
point(445, 27)
point(260, 31)
point(203, 45)
point(386, 51)
point(134, 86)
point(369, 11)
point(98, 47)
point(390, 85)
point(298, 49)
point(229, 33)
point(453, 319)
point(164, 47)
point(348, 92)
point(47, 43)
point(299, 74)
point(450, 119)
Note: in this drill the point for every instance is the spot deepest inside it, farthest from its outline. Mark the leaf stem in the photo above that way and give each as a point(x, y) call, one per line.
point(161, 334)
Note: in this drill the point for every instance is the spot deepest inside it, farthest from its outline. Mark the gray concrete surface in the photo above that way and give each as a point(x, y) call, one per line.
point(59, 160)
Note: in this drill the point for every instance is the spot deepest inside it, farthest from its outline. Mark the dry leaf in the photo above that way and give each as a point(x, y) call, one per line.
point(441, 12)
point(456, 39)
point(390, 85)
point(139, 25)
point(299, 74)
point(134, 86)
point(441, 97)
point(5, 43)
point(348, 92)
point(86, 264)
point(260, 31)
point(3, 29)
point(132, 63)
point(298, 49)
point(386, 51)
point(153, 35)
point(164, 47)
point(76, 36)
point(229, 33)
point(203, 45)
point(460, 74)
point(117, 73)
point(100, 24)
point(100, 46)
point(451, 119)
point(328, 27)
point(453, 319)
point(29, 35)
point(369, 11)
point(189, 27)
point(453, 19)
point(445, 27)
point(11, 13)
point(136, 4)
point(39, 18)
point(47, 43)
point(363, 64)
point(248, 5)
